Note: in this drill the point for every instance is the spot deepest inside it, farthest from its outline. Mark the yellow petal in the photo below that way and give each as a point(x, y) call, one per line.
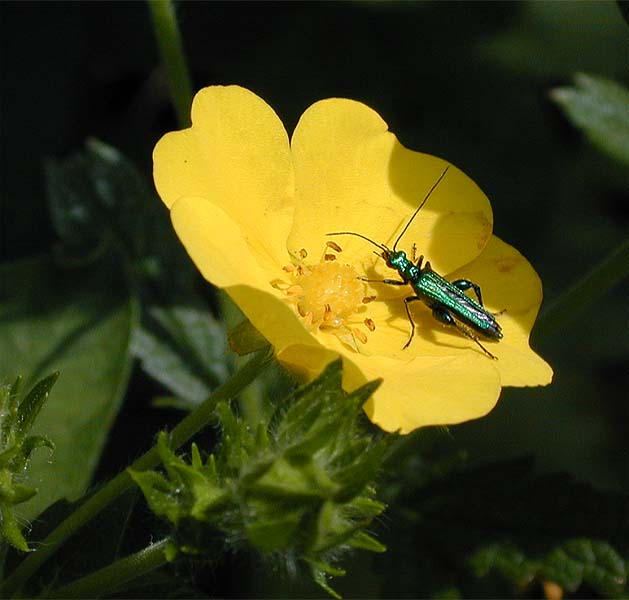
point(236, 154)
point(351, 174)
point(509, 282)
point(432, 390)
point(305, 360)
point(218, 248)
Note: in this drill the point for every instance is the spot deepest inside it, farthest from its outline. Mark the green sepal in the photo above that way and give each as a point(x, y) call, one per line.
point(295, 478)
point(297, 486)
point(31, 405)
point(10, 530)
point(363, 541)
point(337, 524)
point(321, 571)
point(9, 396)
point(16, 419)
point(16, 493)
point(206, 496)
point(272, 530)
point(159, 495)
point(245, 339)
point(298, 413)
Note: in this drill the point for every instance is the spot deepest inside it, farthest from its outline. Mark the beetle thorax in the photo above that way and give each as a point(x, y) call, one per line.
point(397, 260)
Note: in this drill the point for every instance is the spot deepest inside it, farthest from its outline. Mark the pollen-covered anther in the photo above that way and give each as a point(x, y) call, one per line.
point(362, 337)
point(370, 324)
point(303, 254)
point(327, 313)
point(368, 299)
point(294, 290)
point(329, 257)
point(280, 284)
point(334, 246)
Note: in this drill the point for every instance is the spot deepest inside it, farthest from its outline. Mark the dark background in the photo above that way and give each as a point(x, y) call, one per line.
point(465, 81)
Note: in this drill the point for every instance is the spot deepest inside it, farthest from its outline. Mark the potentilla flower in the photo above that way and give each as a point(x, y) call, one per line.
point(253, 210)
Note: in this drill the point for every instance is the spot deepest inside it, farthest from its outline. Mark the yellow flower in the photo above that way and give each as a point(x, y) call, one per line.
point(253, 209)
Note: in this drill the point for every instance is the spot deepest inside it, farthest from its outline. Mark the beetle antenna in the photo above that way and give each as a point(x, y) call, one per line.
point(430, 191)
point(364, 237)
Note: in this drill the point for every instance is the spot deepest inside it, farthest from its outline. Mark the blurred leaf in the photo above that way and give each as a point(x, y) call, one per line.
point(78, 323)
point(623, 6)
point(99, 201)
point(501, 518)
point(558, 37)
point(569, 565)
point(95, 198)
point(183, 348)
point(601, 108)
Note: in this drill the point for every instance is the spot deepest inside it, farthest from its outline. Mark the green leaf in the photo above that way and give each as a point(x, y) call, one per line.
point(600, 108)
point(78, 323)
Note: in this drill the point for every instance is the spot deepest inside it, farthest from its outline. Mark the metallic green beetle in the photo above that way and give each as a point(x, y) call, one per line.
point(449, 303)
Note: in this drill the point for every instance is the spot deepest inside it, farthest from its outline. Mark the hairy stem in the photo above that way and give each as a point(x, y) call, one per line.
point(112, 577)
point(171, 50)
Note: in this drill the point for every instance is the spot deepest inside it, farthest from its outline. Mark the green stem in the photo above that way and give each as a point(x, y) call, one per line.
point(604, 276)
point(171, 49)
point(190, 425)
point(112, 577)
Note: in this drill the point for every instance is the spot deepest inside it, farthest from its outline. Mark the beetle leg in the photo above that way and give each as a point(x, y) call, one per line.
point(466, 284)
point(443, 316)
point(387, 281)
point(407, 301)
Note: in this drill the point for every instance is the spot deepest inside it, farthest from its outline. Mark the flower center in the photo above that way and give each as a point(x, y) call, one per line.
point(331, 292)
point(328, 295)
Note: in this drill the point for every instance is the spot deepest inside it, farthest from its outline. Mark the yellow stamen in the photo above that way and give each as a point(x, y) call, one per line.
point(360, 335)
point(294, 290)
